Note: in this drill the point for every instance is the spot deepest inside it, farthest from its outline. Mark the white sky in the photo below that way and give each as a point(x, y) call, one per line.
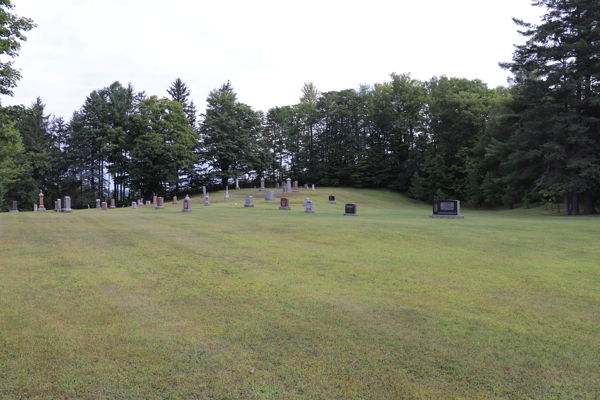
point(267, 49)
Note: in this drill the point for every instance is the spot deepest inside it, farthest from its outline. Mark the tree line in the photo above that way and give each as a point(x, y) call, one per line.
point(536, 140)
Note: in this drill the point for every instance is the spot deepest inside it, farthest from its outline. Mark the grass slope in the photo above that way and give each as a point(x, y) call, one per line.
point(230, 302)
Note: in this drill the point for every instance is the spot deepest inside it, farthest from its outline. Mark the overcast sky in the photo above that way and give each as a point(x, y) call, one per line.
point(267, 49)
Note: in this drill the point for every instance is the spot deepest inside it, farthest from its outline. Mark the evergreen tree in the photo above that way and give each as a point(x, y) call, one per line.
point(557, 72)
point(230, 133)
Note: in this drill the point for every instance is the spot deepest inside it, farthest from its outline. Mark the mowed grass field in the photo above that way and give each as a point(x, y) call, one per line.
point(229, 302)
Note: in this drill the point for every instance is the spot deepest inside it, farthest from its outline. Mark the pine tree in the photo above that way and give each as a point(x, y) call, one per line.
point(557, 72)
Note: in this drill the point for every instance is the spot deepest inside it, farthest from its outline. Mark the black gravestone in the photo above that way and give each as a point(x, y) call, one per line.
point(446, 209)
point(350, 210)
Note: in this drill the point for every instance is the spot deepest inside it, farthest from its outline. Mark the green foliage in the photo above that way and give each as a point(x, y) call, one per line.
point(12, 28)
point(230, 135)
point(162, 147)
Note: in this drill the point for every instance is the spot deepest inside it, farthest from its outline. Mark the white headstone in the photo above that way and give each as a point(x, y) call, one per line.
point(134, 205)
point(237, 183)
point(226, 193)
point(262, 184)
point(35, 207)
point(248, 201)
point(313, 187)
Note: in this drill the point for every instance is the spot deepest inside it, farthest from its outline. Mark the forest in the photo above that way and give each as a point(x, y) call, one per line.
point(536, 140)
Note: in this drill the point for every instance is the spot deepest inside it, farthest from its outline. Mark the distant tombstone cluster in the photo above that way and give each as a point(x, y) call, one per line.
point(441, 208)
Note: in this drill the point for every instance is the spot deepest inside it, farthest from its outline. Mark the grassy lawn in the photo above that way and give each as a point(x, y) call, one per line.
point(230, 302)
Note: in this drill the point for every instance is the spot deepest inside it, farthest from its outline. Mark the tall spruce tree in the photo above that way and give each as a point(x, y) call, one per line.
point(557, 74)
point(230, 135)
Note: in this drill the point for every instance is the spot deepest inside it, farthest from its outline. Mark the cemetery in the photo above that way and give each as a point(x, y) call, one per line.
point(297, 296)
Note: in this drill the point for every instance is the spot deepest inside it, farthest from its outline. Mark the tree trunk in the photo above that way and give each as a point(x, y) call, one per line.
point(566, 203)
point(588, 202)
point(575, 202)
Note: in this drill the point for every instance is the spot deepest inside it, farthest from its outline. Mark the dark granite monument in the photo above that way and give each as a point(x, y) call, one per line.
point(446, 209)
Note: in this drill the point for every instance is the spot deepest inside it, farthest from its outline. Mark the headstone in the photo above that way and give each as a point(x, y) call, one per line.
point(41, 207)
point(147, 202)
point(140, 202)
point(187, 204)
point(306, 186)
point(288, 185)
point(226, 193)
point(237, 183)
point(285, 204)
point(308, 207)
point(58, 205)
point(446, 209)
point(331, 200)
point(313, 187)
point(206, 200)
point(248, 201)
point(134, 205)
point(104, 206)
point(67, 207)
point(270, 195)
point(262, 184)
point(35, 208)
point(350, 210)
point(203, 191)
point(55, 206)
point(174, 199)
point(160, 203)
point(305, 201)
point(277, 185)
point(154, 199)
point(295, 188)
point(98, 205)
point(113, 204)
point(14, 207)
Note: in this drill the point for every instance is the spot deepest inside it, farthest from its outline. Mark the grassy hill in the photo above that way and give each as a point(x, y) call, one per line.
point(230, 302)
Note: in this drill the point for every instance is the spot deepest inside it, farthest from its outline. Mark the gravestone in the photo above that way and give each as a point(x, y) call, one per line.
point(160, 203)
point(262, 185)
point(331, 200)
point(68, 208)
point(14, 207)
point(295, 187)
point(104, 206)
point(226, 193)
point(134, 205)
point(308, 207)
point(288, 186)
point(35, 208)
point(174, 199)
point(140, 202)
point(59, 205)
point(270, 195)
point(285, 204)
point(206, 200)
point(55, 206)
point(313, 187)
point(113, 204)
point(187, 204)
point(446, 209)
point(277, 185)
point(41, 207)
point(237, 183)
point(306, 186)
point(154, 199)
point(305, 201)
point(147, 202)
point(248, 201)
point(350, 210)
point(98, 204)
